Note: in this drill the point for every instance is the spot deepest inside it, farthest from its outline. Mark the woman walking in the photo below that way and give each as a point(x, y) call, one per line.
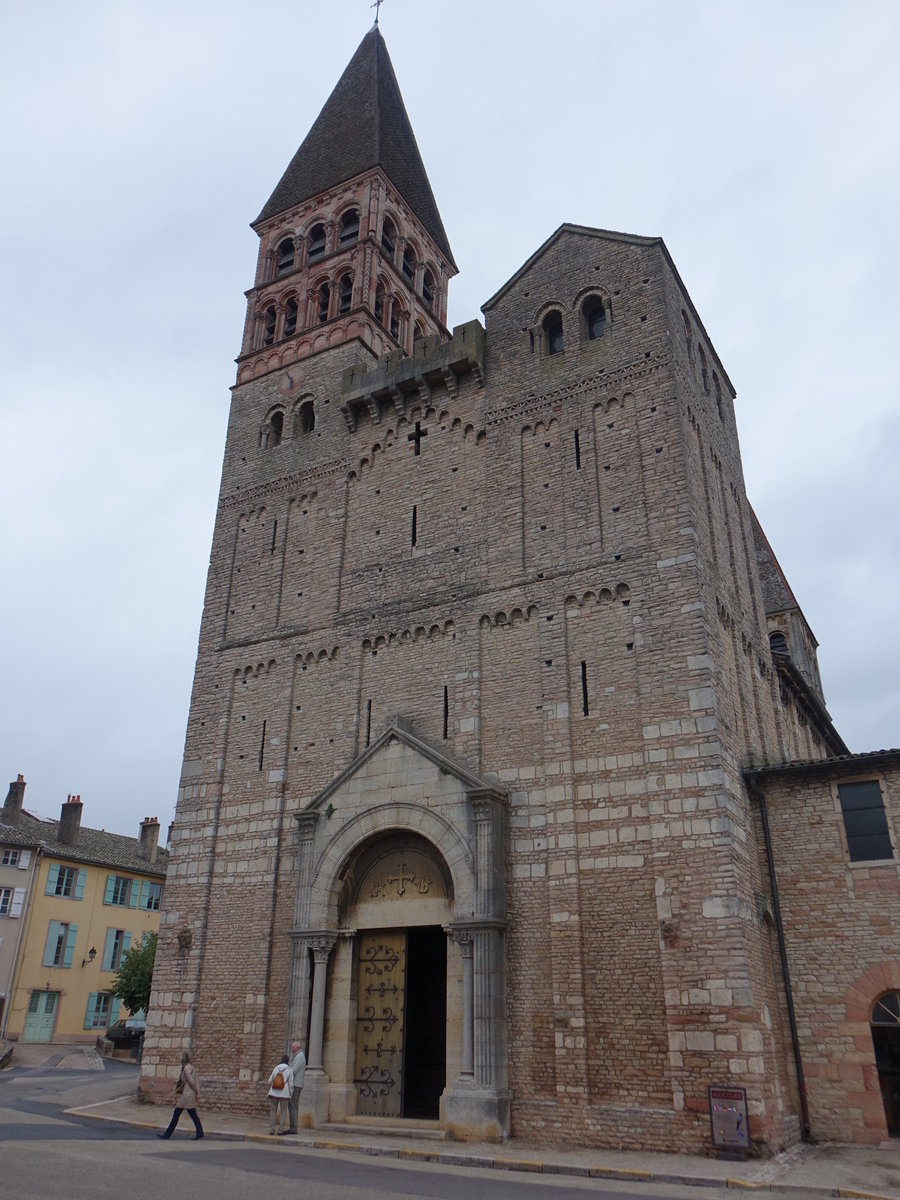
point(187, 1091)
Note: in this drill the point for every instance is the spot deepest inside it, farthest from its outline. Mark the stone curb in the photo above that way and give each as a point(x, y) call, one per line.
point(487, 1162)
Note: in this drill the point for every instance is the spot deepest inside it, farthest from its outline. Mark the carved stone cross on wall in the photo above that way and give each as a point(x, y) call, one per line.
point(401, 879)
point(416, 436)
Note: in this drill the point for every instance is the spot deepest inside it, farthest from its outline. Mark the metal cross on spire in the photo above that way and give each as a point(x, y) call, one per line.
point(377, 4)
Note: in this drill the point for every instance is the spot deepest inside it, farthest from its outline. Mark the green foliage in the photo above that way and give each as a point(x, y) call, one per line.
point(135, 974)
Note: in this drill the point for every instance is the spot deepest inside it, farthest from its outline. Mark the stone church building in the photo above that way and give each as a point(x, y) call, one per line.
point(509, 788)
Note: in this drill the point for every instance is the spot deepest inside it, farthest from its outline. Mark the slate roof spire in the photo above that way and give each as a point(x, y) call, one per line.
point(362, 125)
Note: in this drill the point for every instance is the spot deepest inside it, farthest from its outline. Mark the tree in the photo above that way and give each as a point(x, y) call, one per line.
point(135, 974)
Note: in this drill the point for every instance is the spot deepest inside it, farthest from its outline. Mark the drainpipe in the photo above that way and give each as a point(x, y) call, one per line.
point(757, 792)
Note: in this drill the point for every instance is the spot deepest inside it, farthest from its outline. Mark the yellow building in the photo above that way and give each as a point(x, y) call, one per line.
point(92, 896)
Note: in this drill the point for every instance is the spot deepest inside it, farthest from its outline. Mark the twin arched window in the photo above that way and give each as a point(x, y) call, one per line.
point(284, 256)
point(315, 245)
point(349, 228)
point(553, 333)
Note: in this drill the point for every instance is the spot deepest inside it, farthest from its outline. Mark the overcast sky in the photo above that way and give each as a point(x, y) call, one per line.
point(759, 138)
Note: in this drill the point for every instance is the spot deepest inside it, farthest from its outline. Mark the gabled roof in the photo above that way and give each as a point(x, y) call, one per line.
point(94, 846)
point(363, 125)
point(398, 730)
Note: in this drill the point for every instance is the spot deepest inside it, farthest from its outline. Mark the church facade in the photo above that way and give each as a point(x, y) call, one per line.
point(504, 714)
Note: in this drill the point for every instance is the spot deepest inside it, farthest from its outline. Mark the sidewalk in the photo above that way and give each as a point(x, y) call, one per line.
point(808, 1171)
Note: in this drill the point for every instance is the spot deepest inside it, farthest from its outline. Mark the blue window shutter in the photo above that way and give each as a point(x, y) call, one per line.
point(79, 886)
point(91, 1009)
point(52, 876)
point(126, 943)
point(50, 948)
point(110, 886)
point(145, 891)
point(109, 945)
point(115, 1005)
point(70, 946)
point(132, 893)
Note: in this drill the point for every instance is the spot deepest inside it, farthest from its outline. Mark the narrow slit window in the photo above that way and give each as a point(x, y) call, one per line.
point(414, 523)
point(368, 721)
point(262, 745)
point(577, 452)
point(274, 533)
point(585, 708)
point(446, 712)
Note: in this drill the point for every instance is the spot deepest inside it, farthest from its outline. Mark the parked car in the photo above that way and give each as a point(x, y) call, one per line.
point(127, 1035)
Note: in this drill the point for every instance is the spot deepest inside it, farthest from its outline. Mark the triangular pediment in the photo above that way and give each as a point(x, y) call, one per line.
point(398, 731)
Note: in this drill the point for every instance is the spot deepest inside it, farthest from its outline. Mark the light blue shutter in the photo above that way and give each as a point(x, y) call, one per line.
point(126, 943)
point(52, 877)
point(145, 892)
point(52, 939)
point(108, 948)
point(91, 1010)
point(114, 1007)
point(110, 888)
point(70, 946)
point(132, 893)
point(79, 886)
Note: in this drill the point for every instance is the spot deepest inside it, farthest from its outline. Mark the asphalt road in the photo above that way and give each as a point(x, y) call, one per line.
point(47, 1155)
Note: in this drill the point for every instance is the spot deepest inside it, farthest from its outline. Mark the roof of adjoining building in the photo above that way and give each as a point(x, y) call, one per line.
point(362, 125)
point(94, 846)
point(837, 763)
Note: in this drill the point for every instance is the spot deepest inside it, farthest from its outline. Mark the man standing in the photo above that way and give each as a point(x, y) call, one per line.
point(298, 1068)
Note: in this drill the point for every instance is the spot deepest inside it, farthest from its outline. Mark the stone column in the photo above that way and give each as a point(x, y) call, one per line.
point(477, 1106)
point(298, 995)
point(313, 1108)
point(463, 939)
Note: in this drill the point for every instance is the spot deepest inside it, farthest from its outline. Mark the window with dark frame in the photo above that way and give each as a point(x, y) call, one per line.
point(6, 895)
point(594, 318)
point(10, 858)
point(865, 821)
point(65, 882)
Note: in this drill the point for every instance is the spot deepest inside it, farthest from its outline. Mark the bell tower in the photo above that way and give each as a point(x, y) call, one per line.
point(352, 247)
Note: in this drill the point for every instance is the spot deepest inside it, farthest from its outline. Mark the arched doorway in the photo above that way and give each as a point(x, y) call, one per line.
point(396, 899)
point(886, 1040)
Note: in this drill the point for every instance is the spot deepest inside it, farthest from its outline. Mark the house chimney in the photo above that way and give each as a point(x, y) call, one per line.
point(70, 820)
point(12, 805)
point(149, 846)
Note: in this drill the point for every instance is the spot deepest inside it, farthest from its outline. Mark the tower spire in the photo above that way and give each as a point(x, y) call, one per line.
point(376, 5)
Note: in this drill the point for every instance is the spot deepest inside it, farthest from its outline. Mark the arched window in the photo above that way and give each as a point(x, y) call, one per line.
point(276, 422)
point(284, 256)
point(306, 417)
point(291, 310)
point(778, 642)
point(316, 243)
point(271, 317)
point(553, 333)
point(324, 302)
point(395, 324)
point(379, 303)
point(594, 318)
point(428, 287)
point(704, 370)
point(886, 1043)
point(388, 237)
point(345, 296)
point(408, 266)
point(349, 228)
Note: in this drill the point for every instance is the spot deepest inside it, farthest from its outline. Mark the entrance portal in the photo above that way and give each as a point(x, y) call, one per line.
point(401, 1024)
point(40, 1017)
point(886, 1040)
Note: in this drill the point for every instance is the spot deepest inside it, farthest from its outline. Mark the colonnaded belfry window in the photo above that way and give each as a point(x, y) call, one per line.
point(284, 256)
point(865, 821)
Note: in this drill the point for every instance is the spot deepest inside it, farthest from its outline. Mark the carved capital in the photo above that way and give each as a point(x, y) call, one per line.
point(306, 824)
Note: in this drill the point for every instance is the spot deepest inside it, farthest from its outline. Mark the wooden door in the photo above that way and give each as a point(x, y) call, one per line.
point(381, 997)
point(41, 1016)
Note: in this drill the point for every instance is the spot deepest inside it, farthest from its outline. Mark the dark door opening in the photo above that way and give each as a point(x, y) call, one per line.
point(425, 1046)
point(886, 1039)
